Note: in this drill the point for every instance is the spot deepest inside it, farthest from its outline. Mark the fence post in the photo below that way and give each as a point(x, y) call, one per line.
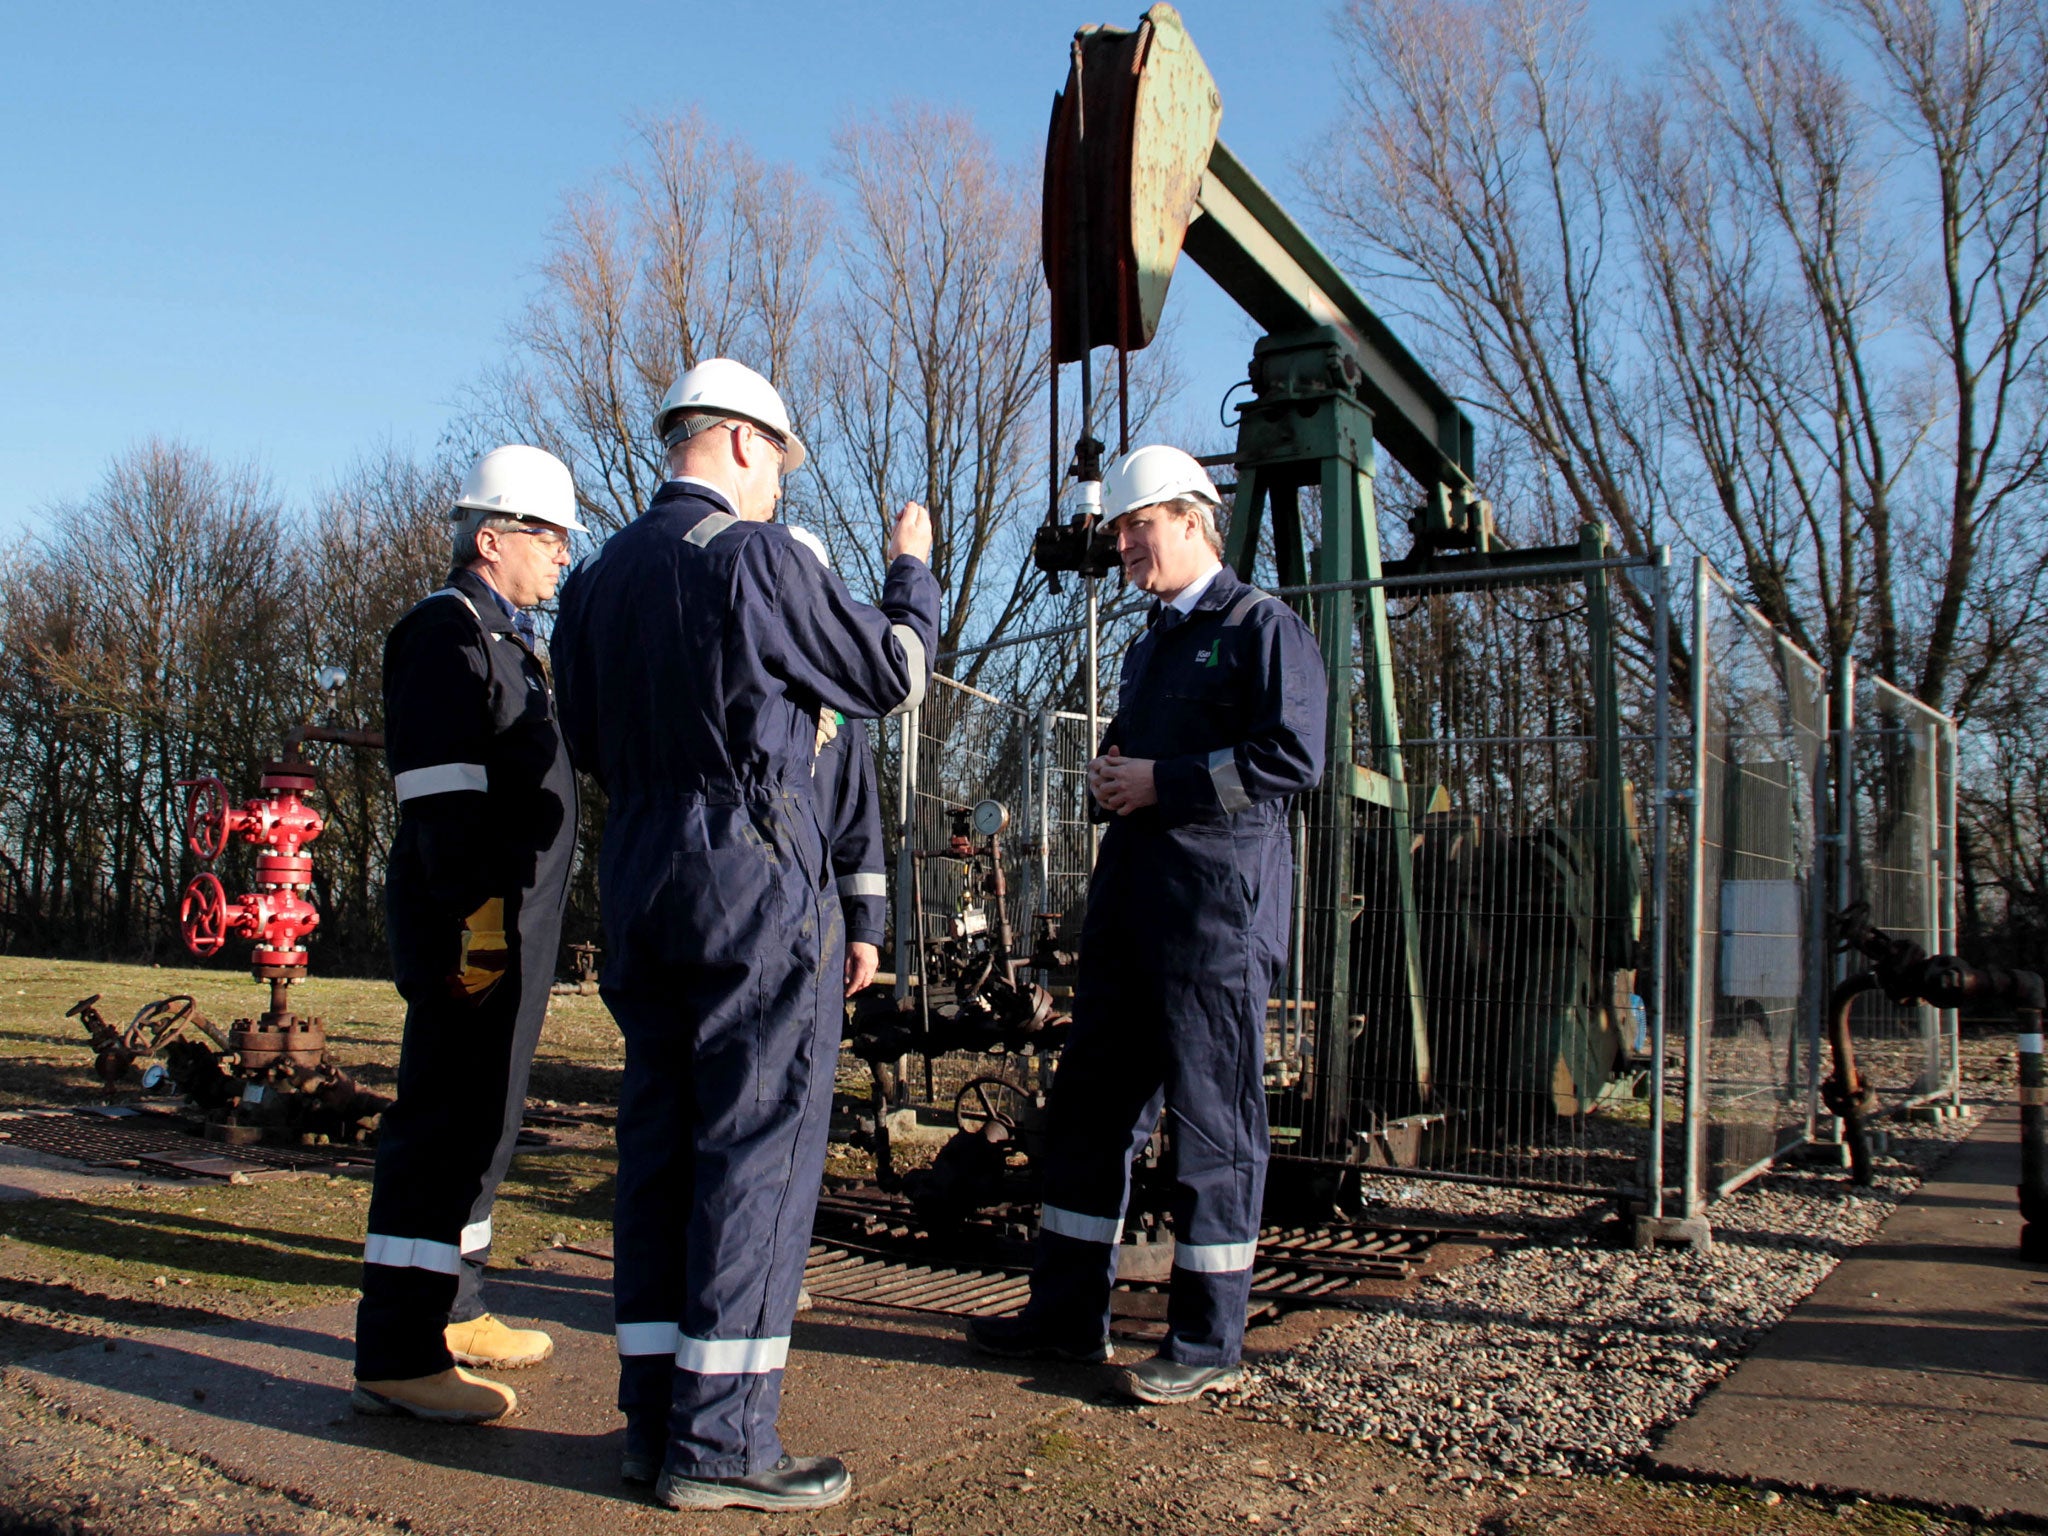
point(1939, 940)
point(1951, 940)
point(1819, 881)
point(1660, 877)
point(1847, 827)
point(1688, 1228)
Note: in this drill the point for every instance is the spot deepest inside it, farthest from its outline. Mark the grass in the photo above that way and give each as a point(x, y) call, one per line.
point(236, 1249)
point(45, 1057)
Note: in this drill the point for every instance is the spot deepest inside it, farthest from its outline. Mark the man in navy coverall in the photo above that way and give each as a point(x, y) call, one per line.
point(478, 876)
point(1220, 720)
point(695, 655)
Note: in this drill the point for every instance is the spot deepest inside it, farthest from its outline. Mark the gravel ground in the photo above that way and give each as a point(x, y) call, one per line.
point(1565, 1354)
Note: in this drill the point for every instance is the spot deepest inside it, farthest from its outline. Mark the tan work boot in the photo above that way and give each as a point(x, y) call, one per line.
point(484, 1343)
point(452, 1396)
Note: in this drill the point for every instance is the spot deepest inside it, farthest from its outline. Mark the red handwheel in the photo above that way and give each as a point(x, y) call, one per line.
point(203, 915)
point(206, 818)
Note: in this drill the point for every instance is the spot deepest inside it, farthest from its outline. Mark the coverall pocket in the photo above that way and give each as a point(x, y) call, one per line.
point(715, 906)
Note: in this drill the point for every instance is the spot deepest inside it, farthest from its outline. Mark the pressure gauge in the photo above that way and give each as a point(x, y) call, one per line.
point(990, 817)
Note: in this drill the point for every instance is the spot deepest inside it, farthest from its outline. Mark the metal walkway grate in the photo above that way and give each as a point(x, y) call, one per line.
point(157, 1142)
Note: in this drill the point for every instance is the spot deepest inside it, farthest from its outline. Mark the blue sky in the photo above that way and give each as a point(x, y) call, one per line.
point(289, 234)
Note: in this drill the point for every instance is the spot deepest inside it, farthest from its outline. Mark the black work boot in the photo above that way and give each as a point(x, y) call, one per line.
point(1025, 1338)
point(645, 1447)
point(1160, 1380)
point(795, 1482)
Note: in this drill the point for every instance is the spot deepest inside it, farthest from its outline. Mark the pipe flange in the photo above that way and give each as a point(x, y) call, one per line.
point(284, 869)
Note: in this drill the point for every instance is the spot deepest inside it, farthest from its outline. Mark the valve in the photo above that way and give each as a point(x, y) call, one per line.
point(206, 817)
point(275, 914)
point(278, 821)
point(203, 914)
point(278, 920)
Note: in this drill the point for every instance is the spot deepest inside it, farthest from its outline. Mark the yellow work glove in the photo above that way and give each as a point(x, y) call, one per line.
point(484, 956)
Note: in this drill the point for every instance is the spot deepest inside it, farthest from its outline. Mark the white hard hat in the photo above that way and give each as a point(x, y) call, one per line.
point(523, 482)
point(812, 542)
point(1145, 477)
point(721, 387)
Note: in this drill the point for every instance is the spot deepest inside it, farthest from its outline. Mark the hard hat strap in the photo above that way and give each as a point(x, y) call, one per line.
point(692, 424)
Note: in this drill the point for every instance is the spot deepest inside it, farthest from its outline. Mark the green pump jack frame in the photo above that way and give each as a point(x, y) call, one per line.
point(1304, 432)
point(1307, 429)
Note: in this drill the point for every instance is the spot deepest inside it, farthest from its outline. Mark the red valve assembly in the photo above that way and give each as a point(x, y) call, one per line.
point(281, 1079)
point(276, 914)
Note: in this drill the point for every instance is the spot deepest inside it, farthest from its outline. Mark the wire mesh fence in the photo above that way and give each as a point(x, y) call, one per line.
point(965, 748)
point(1498, 877)
point(1063, 847)
point(1902, 788)
point(1757, 962)
point(1565, 924)
point(971, 747)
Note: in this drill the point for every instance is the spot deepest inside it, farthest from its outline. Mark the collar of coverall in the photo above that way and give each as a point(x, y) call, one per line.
point(490, 607)
point(690, 485)
point(1191, 594)
point(1212, 591)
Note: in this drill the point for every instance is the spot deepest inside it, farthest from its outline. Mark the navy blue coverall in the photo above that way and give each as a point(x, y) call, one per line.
point(1185, 934)
point(850, 807)
point(487, 808)
point(694, 654)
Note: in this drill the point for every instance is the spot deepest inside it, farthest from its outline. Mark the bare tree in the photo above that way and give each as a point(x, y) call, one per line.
point(151, 623)
point(373, 545)
point(1772, 274)
point(1476, 175)
point(691, 248)
point(1964, 78)
point(935, 362)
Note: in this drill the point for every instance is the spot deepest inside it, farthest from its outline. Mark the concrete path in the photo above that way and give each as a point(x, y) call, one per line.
point(26, 1175)
point(268, 1403)
point(1917, 1371)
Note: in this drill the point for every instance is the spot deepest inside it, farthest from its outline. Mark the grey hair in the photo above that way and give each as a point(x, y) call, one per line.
point(1205, 519)
point(469, 522)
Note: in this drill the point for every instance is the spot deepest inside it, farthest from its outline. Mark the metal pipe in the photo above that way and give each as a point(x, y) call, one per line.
point(1941, 909)
point(1560, 570)
point(1937, 938)
point(1057, 632)
point(1696, 836)
point(1660, 870)
point(299, 735)
point(1846, 825)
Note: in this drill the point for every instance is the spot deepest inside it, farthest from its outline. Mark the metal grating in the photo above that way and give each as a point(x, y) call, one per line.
point(876, 1251)
point(150, 1140)
point(878, 1281)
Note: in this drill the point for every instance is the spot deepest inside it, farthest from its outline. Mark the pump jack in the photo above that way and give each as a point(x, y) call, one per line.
point(1135, 176)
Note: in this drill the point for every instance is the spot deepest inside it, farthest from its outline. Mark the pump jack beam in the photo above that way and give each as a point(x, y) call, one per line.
point(1266, 263)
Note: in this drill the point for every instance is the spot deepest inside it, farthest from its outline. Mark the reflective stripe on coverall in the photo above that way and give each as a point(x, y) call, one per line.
point(486, 808)
point(694, 654)
point(1184, 937)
